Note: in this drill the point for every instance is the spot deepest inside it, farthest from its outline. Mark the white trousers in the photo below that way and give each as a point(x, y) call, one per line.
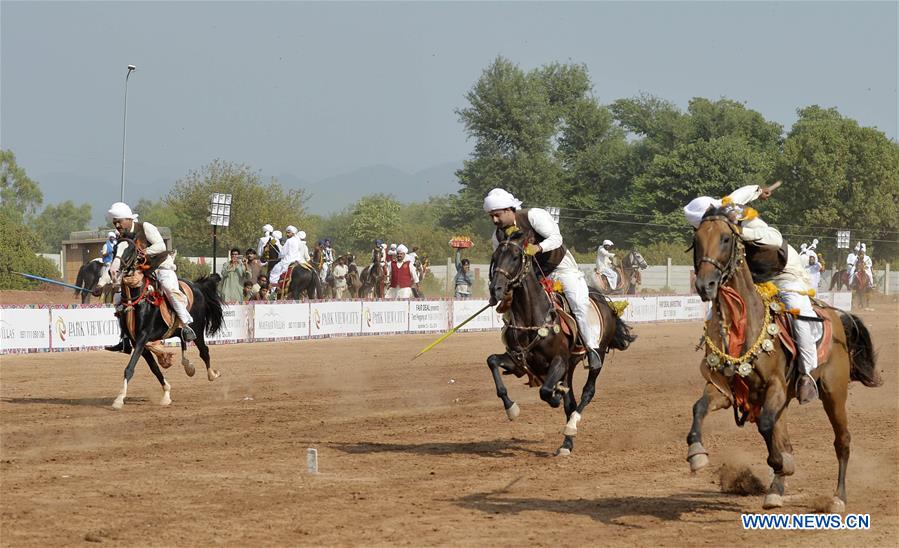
point(612, 275)
point(168, 280)
point(805, 333)
point(277, 270)
point(575, 288)
point(399, 293)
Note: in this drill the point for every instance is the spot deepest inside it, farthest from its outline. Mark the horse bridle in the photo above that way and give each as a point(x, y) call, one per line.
point(734, 257)
point(514, 281)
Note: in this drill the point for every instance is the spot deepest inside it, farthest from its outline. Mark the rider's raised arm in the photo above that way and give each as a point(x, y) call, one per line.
point(545, 226)
point(154, 238)
point(746, 194)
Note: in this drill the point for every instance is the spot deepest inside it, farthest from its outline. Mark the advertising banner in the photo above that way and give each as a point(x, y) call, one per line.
point(280, 321)
point(640, 309)
point(83, 327)
point(335, 318)
point(385, 316)
point(428, 316)
point(236, 326)
point(670, 309)
point(463, 309)
point(24, 329)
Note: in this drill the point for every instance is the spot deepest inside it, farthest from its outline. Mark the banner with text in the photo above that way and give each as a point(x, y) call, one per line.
point(463, 309)
point(335, 318)
point(385, 316)
point(24, 329)
point(83, 327)
point(280, 321)
point(236, 324)
point(428, 316)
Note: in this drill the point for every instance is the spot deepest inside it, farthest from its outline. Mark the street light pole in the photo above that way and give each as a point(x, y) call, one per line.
point(124, 130)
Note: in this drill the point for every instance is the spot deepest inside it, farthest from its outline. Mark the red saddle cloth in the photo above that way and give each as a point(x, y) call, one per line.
point(825, 343)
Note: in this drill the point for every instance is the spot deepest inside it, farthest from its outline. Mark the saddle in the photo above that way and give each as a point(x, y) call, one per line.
point(287, 275)
point(785, 322)
point(154, 296)
point(568, 322)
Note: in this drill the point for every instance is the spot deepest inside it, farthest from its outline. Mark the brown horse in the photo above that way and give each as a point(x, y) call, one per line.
point(629, 277)
point(537, 344)
point(758, 382)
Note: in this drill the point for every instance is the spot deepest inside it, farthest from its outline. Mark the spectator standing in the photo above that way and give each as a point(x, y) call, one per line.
point(463, 276)
point(233, 276)
point(254, 265)
point(247, 291)
point(339, 273)
point(402, 276)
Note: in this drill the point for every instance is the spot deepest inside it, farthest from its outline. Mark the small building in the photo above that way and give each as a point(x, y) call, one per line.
point(86, 245)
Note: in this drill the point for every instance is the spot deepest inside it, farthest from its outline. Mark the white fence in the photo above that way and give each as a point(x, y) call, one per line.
point(80, 327)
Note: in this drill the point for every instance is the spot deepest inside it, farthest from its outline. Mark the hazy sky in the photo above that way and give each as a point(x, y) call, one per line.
point(317, 89)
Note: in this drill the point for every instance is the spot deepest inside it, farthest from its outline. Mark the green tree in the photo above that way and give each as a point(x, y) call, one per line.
point(254, 203)
point(18, 254)
point(158, 212)
point(19, 195)
point(374, 217)
point(56, 222)
point(838, 174)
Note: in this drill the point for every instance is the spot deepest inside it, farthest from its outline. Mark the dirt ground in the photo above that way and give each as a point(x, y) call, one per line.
point(416, 453)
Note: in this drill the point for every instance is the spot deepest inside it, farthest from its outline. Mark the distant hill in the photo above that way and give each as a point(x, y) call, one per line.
point(336, 192)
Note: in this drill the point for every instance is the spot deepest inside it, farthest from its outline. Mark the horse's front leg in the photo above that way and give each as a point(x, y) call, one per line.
point(504, 361)
point(587, 393)
point(772, 426)
point(711, 400)
point(571, 416)
point(553, 389)
point(139, 345)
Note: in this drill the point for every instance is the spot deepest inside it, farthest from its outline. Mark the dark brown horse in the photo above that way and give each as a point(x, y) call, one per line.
point(758, 378)
point(536, 344)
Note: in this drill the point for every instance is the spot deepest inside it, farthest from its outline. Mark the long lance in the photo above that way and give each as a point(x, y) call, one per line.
point(451, 331)
point(49, 281)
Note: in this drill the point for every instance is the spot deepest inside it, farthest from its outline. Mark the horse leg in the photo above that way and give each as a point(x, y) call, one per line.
point(772, 426)
point(211, 373)
point(154, 368)
point(495, 362)
point(185, 361)
point(552, 390)
point(119, 402)
point(711, 400)
point(572, 417)
point(833, 396)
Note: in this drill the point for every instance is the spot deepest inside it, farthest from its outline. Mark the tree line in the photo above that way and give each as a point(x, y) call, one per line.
point(619, 171)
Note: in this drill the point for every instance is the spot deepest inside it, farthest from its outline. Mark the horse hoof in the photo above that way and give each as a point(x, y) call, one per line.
point(513, 411)
point(698, 462)
point(837, 506)
point(571, 425)
point(563, 452)
point(212, 374)
point(773, 500)
point(189, 368)
point(166, 400)
point(118, 404)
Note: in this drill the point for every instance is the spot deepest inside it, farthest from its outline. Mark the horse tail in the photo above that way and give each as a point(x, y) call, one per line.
point(208, 286)
point(861, 351)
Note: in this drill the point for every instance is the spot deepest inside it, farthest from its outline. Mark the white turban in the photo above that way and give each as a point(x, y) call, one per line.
point(500, 199)
point(695, 210)
point(110, 234)
point(607, 242)
point(803, 247)
point(858, 246)
point(267, 229)
point(292, 229)
point(120, 210)
point(864, 248)
point(277, 234)
point(301, 234)
point(392, 246)
point(402, 249)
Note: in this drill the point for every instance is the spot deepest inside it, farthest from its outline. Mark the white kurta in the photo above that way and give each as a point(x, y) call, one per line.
point(604, 266)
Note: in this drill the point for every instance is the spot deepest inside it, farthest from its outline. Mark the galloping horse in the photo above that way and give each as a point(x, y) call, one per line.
point(859, 285)
point(538, 344)
point(840, 279)
point(143, 321)
point(749, 366)
point(304, 281)
point(88, 276)
point(629, 277)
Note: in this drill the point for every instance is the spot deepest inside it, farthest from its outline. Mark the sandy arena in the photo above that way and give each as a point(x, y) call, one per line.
point(416, 453)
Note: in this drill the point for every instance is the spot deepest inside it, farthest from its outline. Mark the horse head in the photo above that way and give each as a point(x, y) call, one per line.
point(717, 252)
point(638, 260)
point(508, 267)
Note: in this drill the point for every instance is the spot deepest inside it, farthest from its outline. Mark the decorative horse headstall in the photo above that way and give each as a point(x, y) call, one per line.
point(514, 280)
point(735, 256)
